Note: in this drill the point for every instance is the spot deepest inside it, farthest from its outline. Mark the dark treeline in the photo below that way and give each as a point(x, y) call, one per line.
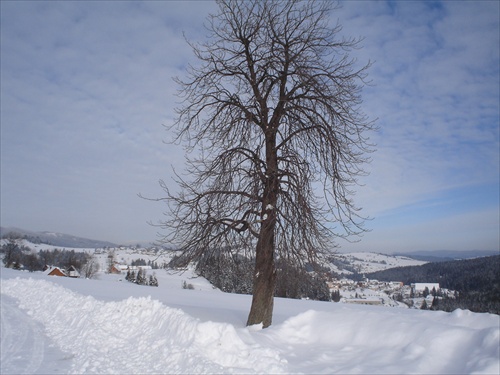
point(477, 282)
point(32, 239)
point(63, 258)
point(142, 262)
point(140, 278)
point(234, 274)
point(16, 256)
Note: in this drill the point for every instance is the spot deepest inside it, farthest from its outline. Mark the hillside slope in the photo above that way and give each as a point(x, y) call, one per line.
point(363, 262)
point(112, 326)
point(53, 238)
point(477, 280)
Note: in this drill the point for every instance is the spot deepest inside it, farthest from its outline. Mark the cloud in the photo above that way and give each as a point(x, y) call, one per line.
point(85, 91)
point(86, 88)
point(435, 93)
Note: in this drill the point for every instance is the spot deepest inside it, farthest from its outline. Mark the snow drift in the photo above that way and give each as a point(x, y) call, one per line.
point(146, 335)
point(138, 335)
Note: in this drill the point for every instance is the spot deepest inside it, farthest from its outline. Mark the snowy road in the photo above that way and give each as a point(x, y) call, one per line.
point(24, 347)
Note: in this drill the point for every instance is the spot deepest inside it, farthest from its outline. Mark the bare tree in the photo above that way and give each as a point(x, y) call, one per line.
point(12, 252)
point(110, 262)
point(273, 109)
point(90, 268)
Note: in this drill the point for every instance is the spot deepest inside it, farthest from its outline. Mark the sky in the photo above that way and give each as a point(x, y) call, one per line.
point(86, 89)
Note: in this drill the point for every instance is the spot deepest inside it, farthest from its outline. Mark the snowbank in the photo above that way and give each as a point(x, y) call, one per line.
point(138, 335)
point(147, 335)
point(367, 342)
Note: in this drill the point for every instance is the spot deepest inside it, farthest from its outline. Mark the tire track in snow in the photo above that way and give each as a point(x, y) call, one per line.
point(138, 335)
point(24, 347)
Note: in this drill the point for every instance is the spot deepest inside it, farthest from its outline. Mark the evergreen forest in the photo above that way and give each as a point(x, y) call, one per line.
point(476, 281)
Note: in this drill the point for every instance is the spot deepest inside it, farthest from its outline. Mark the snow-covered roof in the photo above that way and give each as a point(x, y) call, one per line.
point(54, 271)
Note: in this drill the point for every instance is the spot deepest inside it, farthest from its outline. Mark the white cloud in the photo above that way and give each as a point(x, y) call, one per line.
point(86, 88)
point(435, 94)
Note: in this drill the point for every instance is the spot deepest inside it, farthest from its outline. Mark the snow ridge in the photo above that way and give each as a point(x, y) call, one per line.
point(139, 335)
point(433, 344)
point(103, 333)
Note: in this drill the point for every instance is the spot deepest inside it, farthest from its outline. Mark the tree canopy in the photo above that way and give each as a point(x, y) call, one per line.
point(273, 109)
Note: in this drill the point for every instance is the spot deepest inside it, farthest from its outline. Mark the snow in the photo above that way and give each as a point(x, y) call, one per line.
point(365, 262)
point(25, 349)
point(112, 326)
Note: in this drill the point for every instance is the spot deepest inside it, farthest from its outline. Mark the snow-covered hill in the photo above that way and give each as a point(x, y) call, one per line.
point(361, 263)
point(56, 239)
point(342, 263)
point(108, 325)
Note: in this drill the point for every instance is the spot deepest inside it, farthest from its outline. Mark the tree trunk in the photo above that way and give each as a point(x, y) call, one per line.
point(264, 283)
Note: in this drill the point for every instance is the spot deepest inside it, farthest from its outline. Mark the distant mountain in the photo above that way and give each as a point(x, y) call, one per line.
point(56, 239)
point(447, 255)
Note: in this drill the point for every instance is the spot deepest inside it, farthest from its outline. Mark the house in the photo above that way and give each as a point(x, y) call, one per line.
point(118, 268)
point(73, 272)
point(396, 284)
point(55, 271)
point(115, 269)
point(332, 285)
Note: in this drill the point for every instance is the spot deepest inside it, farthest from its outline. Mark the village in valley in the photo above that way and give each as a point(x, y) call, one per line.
point(364, 292)
point(390, 294)
point(141, 265)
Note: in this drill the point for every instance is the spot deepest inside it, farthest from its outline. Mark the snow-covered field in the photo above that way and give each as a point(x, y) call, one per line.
point(364, 262)
point(108, 325)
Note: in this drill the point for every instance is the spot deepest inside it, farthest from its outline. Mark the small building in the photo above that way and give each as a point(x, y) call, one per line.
point(118, 268)
point(73, 272)
point(55, 271)
point(396, 284)
point(333, 285)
